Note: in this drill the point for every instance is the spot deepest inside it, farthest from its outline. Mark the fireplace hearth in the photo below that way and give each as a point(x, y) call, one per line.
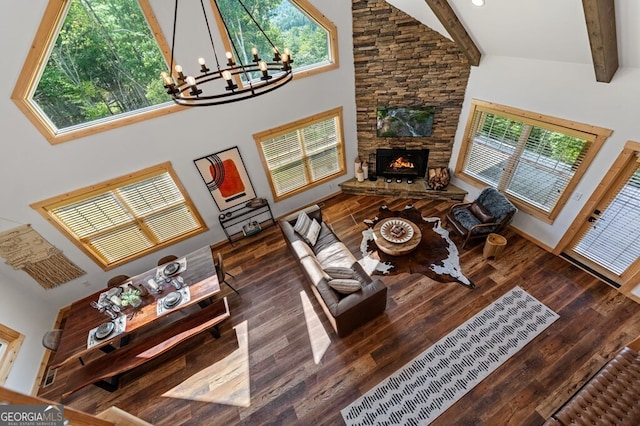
point(398, 164)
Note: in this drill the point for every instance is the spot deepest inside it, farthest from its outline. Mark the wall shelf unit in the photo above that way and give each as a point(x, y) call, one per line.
point(247, 220)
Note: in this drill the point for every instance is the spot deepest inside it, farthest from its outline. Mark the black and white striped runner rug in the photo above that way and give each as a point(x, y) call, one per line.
point(433, 381)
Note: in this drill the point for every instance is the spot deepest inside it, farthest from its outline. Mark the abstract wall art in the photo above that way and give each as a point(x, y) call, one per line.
point(226, 178)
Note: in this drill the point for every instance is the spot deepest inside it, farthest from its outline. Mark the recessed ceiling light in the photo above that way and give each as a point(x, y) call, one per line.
point(478, 2)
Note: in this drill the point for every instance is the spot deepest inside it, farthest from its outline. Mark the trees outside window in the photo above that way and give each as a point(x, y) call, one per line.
point(95, 65)
point(292, 24)
point(104, 62)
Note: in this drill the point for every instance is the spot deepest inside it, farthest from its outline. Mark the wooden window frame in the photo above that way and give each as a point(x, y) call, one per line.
point(14, 342)
point(293, 127)
point(37, 58)
point(44, 207)
point(596, 135)
point(313, 14)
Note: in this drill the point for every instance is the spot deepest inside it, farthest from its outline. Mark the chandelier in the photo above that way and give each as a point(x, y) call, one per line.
point(207, 87)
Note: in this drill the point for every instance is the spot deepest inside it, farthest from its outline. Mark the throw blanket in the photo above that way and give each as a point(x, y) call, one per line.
point(435, 257)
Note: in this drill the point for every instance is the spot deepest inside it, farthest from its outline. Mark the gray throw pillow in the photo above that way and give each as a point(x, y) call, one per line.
point(303, 222)
point(339, 272)
point(312, 233)
point(345, 286)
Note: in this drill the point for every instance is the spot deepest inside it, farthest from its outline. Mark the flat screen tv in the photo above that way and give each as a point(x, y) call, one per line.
point(404, 122)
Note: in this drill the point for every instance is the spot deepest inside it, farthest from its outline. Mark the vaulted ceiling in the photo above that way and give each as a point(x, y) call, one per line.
point(548, 30)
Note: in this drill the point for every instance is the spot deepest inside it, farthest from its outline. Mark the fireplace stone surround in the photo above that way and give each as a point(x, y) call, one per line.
point(403, 63)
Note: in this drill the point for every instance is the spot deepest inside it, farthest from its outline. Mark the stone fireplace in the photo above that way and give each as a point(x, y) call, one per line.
point(400, 62)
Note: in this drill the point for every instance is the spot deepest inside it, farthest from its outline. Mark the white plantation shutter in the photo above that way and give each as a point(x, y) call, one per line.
point(529, 161)
point(303, 155)
point(124, 221)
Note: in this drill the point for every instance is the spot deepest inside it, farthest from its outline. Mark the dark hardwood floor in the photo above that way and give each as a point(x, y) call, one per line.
point(266, 373)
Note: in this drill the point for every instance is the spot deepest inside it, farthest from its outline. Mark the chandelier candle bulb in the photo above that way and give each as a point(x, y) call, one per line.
point(264, 69)
point(285, 62)
point(210, 81)
point(230, 84)
point(167, 80)
point(230, 61)
point(203, 65)
point(191, 81)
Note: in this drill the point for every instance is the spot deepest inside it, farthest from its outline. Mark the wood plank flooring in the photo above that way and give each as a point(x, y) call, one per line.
point(267, 375)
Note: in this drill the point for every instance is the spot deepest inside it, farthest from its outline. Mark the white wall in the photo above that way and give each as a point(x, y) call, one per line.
point(32, 170)
point(564, 90)
point(31, 316)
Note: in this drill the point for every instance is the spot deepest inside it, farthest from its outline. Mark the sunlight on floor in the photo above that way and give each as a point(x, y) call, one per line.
point(225, 382)
point(318, 337)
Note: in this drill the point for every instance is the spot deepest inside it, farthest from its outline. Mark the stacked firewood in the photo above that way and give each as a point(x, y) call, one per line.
point(438, 178)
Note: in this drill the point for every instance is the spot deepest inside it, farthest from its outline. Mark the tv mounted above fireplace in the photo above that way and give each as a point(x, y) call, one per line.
point(404, 122)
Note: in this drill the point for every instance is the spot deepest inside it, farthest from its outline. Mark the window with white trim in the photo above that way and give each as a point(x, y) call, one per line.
point(121, 220)
point(536, 160)
point(303, 154)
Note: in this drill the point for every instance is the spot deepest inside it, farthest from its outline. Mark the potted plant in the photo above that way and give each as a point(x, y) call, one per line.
point(131, 296)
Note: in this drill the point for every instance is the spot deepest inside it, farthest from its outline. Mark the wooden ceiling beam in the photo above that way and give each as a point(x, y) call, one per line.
point(601, 27)
point(454, 27)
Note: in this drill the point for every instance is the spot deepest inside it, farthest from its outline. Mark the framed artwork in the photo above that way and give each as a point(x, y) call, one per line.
point(226, 178)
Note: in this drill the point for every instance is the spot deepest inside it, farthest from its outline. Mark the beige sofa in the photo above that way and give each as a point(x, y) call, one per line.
point(345, 312)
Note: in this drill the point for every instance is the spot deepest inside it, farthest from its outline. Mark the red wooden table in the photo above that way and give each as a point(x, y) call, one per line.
point(200, 276)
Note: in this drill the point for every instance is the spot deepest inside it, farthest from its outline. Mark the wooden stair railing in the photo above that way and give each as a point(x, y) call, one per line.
point(75, 417)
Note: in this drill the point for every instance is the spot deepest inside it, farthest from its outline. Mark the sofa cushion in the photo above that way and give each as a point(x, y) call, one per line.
point(337, 254)
point(325, 238)
point(339, 272)
point(481, 213)
point(314, 270)
point(345, 285)
point(301, 249)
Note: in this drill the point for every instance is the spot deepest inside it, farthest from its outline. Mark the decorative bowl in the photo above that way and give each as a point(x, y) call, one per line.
point(396, 231)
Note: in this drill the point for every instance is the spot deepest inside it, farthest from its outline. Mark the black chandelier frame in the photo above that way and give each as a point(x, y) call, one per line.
point(190, 90)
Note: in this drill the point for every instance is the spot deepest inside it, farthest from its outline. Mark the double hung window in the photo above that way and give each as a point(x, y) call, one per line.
point(536, 160)
point(303, 154)
point(126, 218)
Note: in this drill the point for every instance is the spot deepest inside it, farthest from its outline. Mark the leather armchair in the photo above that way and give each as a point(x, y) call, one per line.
point(490, 213)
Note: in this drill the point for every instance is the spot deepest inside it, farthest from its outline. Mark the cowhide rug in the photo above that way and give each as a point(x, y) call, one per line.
point(435, 257)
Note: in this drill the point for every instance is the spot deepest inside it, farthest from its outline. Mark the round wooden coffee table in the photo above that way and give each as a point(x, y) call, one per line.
point(394, 248)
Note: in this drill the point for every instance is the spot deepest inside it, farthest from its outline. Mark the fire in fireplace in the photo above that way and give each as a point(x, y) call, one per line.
point(401, 163)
